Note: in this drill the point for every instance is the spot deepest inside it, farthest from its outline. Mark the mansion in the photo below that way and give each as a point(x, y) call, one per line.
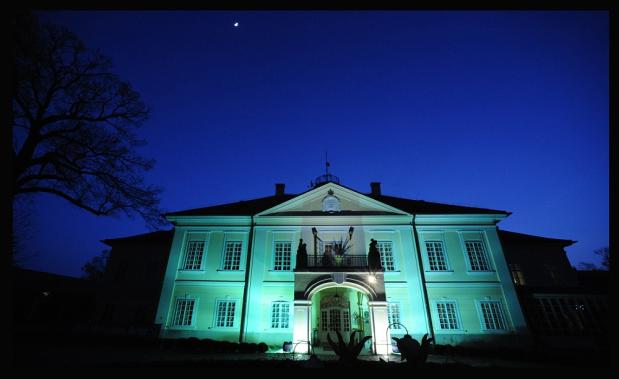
point(297, 267)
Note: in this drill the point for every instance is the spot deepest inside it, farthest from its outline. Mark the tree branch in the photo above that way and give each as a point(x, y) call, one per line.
point(62, 195)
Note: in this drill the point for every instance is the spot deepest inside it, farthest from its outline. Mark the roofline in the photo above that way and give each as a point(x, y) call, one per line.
point(176, 214)
point(111, 241)
point(564, 242)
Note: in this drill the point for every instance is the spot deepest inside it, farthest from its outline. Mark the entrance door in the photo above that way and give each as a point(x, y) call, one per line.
point(334, 316)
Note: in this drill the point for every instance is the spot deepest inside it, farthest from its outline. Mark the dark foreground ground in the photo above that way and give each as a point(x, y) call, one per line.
point(57, 350)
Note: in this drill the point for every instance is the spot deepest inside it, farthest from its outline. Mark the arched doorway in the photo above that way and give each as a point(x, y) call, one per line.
point(336, 310)
point(339, 308)
point(343, 302)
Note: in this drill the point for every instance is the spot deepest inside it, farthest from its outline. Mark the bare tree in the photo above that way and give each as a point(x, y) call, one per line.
point(587, 266)
point(603, 252)
point(22, 227)
point(95, 267)
point(74, 126)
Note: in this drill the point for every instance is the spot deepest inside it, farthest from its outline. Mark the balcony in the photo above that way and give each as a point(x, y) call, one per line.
point(348, 262)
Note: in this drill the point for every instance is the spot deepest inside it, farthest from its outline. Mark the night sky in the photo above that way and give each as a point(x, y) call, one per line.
point(503, 110)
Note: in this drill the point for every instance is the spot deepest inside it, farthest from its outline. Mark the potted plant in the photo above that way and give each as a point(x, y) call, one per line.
point(340, 249)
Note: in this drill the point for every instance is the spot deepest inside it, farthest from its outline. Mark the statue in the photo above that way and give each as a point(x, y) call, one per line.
point(302, 254)
point(374, 257)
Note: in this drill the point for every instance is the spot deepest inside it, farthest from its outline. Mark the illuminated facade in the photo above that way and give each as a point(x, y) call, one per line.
point(240, 271)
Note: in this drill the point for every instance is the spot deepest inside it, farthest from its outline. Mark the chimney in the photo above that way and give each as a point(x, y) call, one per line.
point(279, 189)
point(375, 188)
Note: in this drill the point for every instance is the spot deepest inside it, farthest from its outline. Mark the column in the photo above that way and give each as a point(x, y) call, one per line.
point(301, 332)
point(381, 337)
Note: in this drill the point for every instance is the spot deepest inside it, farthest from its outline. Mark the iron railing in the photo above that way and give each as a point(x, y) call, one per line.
point(346, 261)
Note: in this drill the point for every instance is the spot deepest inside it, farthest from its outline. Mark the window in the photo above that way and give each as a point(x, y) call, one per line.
point(517, 274)
point(193, 255)
point(386, 255)
point(280, 315)
point(477, 256)
point(335, 320)
point(325, 247)
point(393, 313)
point(569, 315)
point(225, 313)
point(346, 321)
point(492, 315)
point(232, 255)
point(281, 261)
point(183, 312)
point(324, 321)
point(436, 256)
point(447, 317)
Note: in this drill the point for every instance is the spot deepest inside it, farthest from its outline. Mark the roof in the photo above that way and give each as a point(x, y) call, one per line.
point(514, 238)
point(240, 208)
point(154, 237)
point(341, 213)
point(425, 207)
point(255, 206)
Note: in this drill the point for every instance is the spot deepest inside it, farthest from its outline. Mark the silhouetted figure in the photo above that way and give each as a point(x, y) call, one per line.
point(374, 257)
point(302, 254)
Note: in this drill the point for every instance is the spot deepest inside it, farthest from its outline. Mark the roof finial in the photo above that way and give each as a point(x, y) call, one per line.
point(327, 177)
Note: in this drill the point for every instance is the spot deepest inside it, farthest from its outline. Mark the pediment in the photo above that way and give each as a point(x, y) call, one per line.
point(331, 198)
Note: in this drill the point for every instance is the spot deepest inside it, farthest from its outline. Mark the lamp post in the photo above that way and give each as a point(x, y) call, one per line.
point(315, 233)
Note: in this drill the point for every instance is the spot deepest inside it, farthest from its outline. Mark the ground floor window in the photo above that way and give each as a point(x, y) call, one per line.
point(393, 312)
point(492, 315)
point(447, 315)
point(183, 312)
point(225, 313)
point(280, 315)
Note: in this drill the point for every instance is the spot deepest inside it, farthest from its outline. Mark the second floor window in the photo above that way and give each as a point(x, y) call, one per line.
point(477, 256)
point(386, 255)
point(436, 256)
point(193, 255)
point(517, 274)
point(281, 261)
point(232, 255)
point(183, 312)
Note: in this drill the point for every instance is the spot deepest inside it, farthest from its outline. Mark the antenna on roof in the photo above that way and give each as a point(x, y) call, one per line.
point(326, 163)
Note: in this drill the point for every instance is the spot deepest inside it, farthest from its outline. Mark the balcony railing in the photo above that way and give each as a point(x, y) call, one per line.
point(325, 262)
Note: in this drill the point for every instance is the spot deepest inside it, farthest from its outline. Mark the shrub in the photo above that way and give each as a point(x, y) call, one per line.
point(192, 344)
point(287, 346)
point(347, 352)
point(262, 347)
point(414, 352)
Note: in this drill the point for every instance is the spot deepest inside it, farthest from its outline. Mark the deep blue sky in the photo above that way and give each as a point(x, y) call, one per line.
point(504, 110)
